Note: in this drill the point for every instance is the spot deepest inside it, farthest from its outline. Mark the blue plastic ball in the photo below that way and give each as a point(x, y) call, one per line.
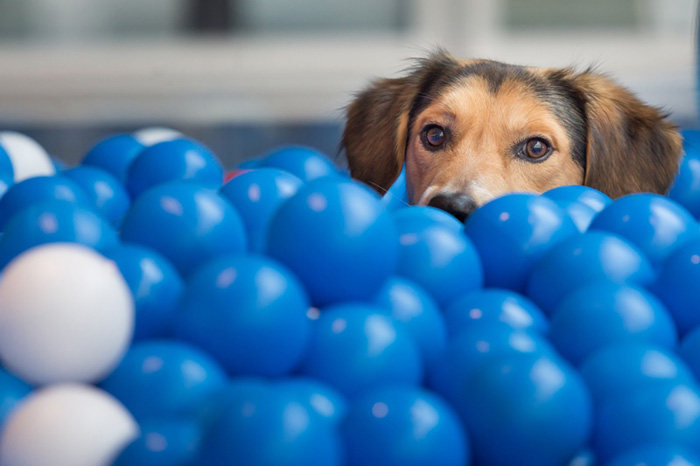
point(105, 192)
point(304, 162)
point(54, 222)
point(582, 203)
point(584, 259)
point(655, 224)
point(477, 345)
point(404, 426)
point(39, 189)
point(690, 351)
point(686, 187)
point(691, 138)
point(408, 303)
point(512, 233)
point(12, 391)
point(495, 306)
point(59, 165)
point(586, 195)
point(677, 287)
point(437, 257)
point(657, 455)
point(186, 223)
point(257, 195)
point(430, 213)
point(155, 285)
point(603, 313)
point(585, 457)
point(232, 391)
point(249, 164)
point(163, 378)
point(356, 347)
point(527, 409)
point(316, 396)
point(7, 172)
point(579, 213)
point(257, 426)
point(337, 238)
point(162, 442)
point(182, 160)
point(648, 416)
point(114, 154)
point(620, 369)
point(249, 312)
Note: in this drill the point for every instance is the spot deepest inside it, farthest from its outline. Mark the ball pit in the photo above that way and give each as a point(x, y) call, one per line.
point(169, 314)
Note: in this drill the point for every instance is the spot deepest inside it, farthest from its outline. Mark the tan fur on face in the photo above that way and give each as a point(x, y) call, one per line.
point(603, 135)
point(478, 158)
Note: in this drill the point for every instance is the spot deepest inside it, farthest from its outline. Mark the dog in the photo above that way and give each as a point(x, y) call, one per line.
point(472, 130)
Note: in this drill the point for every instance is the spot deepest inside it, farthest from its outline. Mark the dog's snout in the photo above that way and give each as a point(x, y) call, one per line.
point(459, 205)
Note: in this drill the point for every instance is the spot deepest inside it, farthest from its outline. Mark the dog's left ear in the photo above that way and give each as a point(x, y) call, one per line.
point(631, 147)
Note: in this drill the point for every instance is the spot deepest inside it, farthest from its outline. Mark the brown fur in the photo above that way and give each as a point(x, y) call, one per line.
point(602, 135)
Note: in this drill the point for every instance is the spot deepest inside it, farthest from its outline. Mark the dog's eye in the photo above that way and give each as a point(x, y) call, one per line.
point(536, 148)
point(434, 136)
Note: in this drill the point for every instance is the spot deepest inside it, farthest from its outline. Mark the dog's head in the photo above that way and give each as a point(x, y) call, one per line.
point(471, 130)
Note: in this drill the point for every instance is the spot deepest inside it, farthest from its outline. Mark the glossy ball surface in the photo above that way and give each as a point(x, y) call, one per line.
point(622, 368)
point(356, 347)
point(655, 224)
point(304, 162)
point(54, 222)
point(686, 187)
point(256, 196)
point(249, 312)
point(181, 160)
point(495, 306)
point(658, 414)
point(584, 259)
point(337, 238)
point(603, 313)
point(40, 189)
point(677, 286)
point(657, 455)
point(161, 442)
point(107, 194)
point(408, 303)
point(438, 257)
point(477, 345)
point(155, 285)
point(256, 426)
point(535, 404)
point(404, 426)
point(164, 379)
point(186, 223)
point(114, 154)
point(512, 233)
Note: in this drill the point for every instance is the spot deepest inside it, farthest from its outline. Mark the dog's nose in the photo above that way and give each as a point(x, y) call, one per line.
point(459, 205)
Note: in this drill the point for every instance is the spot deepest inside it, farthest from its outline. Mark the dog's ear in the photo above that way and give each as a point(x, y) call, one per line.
point(630, 147)
point(376, 129)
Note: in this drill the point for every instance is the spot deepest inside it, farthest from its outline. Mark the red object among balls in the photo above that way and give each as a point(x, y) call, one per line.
point(231, 174)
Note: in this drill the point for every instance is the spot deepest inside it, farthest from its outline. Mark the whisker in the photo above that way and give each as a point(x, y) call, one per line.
point(386, 191)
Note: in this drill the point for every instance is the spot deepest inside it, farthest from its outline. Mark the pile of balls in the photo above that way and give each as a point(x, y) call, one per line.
point(157, 310)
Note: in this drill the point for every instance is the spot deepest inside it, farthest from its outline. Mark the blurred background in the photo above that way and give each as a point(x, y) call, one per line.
point(246, 75)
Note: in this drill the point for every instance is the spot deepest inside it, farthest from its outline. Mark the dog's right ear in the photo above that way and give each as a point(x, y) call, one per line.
point(376, 129)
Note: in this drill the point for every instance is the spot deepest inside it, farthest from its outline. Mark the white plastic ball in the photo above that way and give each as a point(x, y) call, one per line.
point(155, 134)
point(66, 425)
point(66, 315)
point(28, 158)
